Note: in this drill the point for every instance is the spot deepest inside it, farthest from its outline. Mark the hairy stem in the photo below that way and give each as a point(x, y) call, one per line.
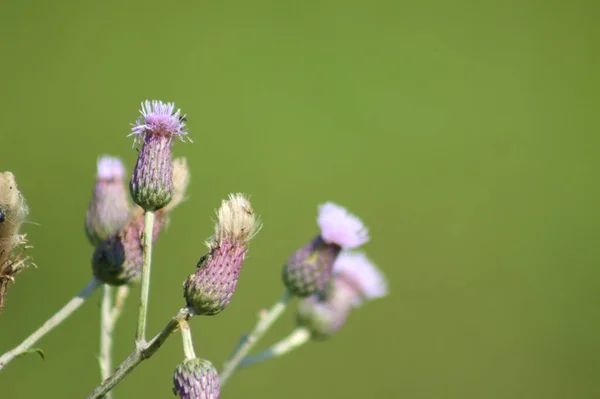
point(140, 336)
point(140, 353)
point(265, 322)
point(106, 330)
point(54, 321)
point(297, 338)
point(188, 344)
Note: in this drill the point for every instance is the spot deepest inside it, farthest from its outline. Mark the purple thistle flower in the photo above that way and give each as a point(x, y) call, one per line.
point(209, 290)
point(196, 379)
point(159, 118)
point(340, 227)
point(151, 185)
point(109, 207)
point(308, 271)
point(355, 280)
point(357, 271)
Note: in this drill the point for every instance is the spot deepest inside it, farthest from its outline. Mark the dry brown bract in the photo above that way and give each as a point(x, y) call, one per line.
point(13, 211)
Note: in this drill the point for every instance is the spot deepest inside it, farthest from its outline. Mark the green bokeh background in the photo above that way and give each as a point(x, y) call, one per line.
point(463, 133)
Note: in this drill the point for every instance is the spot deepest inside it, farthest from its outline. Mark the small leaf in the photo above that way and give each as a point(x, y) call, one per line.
point(33, 350)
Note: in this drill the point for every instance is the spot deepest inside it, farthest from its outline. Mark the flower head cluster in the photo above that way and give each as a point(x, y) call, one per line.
point(118, 259)
point(308, 271)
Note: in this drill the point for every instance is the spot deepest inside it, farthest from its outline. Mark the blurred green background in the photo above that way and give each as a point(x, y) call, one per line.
point(463, 133)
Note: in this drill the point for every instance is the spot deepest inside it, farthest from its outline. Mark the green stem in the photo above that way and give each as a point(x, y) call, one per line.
point(139, 354)
point(54, 321)
point(188, 344)
point(122, 294)
point(265, 322)
point(106, 330)
point(109, 315)
point(140, 336)
point(297, 338)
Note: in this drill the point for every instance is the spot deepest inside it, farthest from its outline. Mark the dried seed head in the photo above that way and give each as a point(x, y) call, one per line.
point(196, 379)
point(109, 207)
point(236, 222)
point(181, 181)
point(209, 290)
point(151, 185)
point(13, 211)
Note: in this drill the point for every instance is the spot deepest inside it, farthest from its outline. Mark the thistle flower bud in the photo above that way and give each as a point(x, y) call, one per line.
point(151, 185)
point(118, 259)
point(209, 290)
point(196, 379)
point(355, 280)
point(13, 211)
point(308, 271)
point(109, 208)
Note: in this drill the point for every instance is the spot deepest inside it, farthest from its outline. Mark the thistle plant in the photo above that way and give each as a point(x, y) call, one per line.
point(327, 275)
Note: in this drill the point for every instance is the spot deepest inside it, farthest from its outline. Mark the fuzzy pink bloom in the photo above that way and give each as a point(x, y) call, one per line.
point(340, 227)
point(110, 168)
point(356, 269)
point(159, 118)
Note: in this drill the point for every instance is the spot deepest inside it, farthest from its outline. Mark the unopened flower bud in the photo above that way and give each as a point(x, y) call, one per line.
point(355, 280)
point(308, 271)
point(196, 379)
point(109, 208)
point(209, 290)
point(151, 185)
point(13, 211)
point(118, 259)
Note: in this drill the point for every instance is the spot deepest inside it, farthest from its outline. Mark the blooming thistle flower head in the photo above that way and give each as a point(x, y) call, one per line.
point(151, 185)
point(209, 290)
point(196, 379)
point(109, 208)
point(118, 259)
point(355, 280)
point(13, 211)
point(308, 271)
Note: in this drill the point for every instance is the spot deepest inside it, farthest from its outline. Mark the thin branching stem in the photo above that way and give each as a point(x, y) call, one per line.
point(188, 344)
point(49, 325)
point(265, 322)
point(297, 338)
point(106, 330)
point(139, 354)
